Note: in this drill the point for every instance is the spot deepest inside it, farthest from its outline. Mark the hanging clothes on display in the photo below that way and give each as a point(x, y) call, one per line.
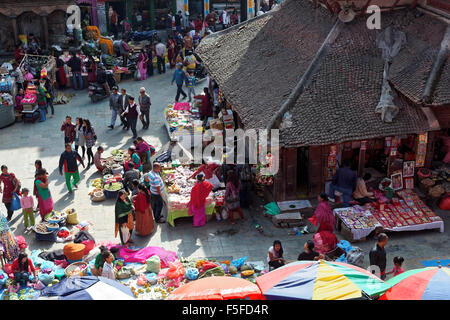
point(8, 243)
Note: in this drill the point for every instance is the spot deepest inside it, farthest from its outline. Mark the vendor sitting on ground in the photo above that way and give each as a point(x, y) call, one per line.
point(143, 150)
point(98, 160)
point(210, 170)
point(97, 269)
point(134, 159)
point(275, 255)
point(309, 254)
point(108, 267)
point(22, 268)
point(361, 195)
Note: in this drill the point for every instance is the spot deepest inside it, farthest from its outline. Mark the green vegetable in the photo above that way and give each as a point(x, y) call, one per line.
point(245, 267)
point(115, 186)
point(217, 272)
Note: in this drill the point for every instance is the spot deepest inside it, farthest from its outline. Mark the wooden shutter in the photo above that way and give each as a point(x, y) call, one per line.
point(316, 170)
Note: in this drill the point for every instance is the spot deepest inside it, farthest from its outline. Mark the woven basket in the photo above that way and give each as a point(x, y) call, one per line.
point(68, 271)
point(72, 218)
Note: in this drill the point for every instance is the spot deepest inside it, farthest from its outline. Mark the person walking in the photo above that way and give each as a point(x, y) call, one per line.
point(69, 129)
point(91, 138)
point(124, 218)
point(197, 202)
point(144, 105)
point(142, 64)
point(133, 112)
point(150, 59)
point(10, 185)
point(377, 255)
point(171, 51)
point(190, 84)
point(75, 66)
point(27, 204)
point(232, 199)
point(144, 215)
point(124, 99)
point(43, 194)
point(343, 181)
point(50, 94)
point(113, 22)
point(124, 51)
point(114, 106)
point(68, 160)
point(178, 77)
point(80, 141)
point(156, 190)
point(160, 49)
point(41, 100)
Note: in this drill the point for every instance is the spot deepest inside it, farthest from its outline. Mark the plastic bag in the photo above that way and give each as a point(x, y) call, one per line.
point(176, 270)
point(239, 262)
point(15, 202)
point(272, 208)
point(125, 233)
point(142, 280)
point(192, 274)
point(356, 257)
point(152, 278)
point(345, 245)
point(154, 264)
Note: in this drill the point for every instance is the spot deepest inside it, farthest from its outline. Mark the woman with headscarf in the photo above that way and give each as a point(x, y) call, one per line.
point(124, 218)
point(144, 214)
point(324, 239)
point(45, 201)
point(199, 193)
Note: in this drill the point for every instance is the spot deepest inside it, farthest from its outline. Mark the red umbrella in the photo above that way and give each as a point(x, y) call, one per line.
point(217, 288)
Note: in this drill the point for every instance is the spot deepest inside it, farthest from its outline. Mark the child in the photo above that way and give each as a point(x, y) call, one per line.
point(108, 267)
point(398, 261)
point(27, 208)
point(19, 98)
point(190, 84)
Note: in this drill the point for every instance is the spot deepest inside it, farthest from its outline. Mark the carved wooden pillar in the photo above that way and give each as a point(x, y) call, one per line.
point(45, 29)
point(15, 30)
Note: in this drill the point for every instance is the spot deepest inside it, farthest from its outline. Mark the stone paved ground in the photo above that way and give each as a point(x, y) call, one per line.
point(21, 144)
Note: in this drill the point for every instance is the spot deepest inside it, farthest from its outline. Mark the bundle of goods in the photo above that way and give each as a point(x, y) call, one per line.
point(72, 217)
point(46, 231)
point(97, 195)
point(358, 218)
point(6, 83)
point(7, 240)
point(219, 197)
point(74, 251)
point(6, 99)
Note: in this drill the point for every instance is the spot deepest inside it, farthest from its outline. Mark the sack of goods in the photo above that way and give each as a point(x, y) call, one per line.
point(74, 251)
point(72, 217)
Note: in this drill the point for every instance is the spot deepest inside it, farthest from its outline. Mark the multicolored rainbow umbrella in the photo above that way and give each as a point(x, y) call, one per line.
point(420, 284)
point(320, 280)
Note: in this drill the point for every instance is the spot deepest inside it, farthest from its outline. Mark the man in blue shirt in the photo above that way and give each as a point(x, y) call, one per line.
point(178, 77)
point(344, 181)
point(156, 190)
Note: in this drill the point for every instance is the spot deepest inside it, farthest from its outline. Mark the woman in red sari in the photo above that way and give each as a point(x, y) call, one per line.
point(199, 193)
point(324, 239)
point(171, 51)
point(10, 185)
point(92, 70)
point(144, 215)
point(61, 77)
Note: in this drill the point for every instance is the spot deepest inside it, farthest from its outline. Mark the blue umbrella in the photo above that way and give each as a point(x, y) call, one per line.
point(87, 288)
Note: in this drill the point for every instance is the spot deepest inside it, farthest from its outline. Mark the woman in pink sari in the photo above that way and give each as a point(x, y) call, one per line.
point(143, 59)
point(43, 193)
point(199, 193)
point(324, 239)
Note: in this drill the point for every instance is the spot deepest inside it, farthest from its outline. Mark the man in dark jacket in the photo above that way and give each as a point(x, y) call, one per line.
point(343, 181)
point(377, 255)
point(144, 105)
point(75, 66)
point(69, 129)
point(68, 160)
point(123, 103)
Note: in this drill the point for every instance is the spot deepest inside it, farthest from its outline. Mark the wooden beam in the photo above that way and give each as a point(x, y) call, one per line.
point(394, 5)
point(364, 9)
point(414, 4)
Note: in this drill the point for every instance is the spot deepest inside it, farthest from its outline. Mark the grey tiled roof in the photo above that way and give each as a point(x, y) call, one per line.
point(258, 64)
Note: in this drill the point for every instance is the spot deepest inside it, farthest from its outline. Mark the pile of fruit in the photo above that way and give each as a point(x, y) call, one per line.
point(97, 183)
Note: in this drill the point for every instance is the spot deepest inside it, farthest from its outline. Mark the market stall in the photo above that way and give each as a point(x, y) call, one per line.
point(182, 121)
point(7, 113)
point(177, 192)
point(406, 213)
point(34, 65)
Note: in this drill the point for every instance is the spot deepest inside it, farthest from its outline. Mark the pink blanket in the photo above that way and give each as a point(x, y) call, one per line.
point(185, 106)
point(141, 255)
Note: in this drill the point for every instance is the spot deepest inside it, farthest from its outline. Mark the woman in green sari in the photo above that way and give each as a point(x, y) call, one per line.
point(124, 218)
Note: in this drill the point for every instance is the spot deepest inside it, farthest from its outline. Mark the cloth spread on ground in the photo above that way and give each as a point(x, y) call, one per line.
point(141, 255)
point(52, 255)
